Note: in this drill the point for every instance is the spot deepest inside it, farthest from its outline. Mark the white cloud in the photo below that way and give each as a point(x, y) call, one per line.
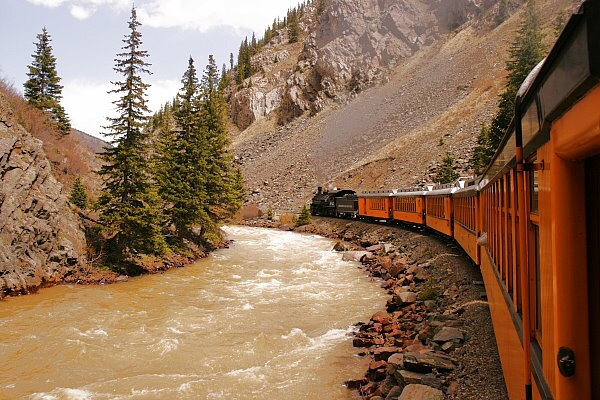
point(88, 103)
point(200, 15)
point(47, 3)
point(81, 12)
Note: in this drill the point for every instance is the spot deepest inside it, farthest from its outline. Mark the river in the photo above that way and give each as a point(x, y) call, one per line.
point(267, 318)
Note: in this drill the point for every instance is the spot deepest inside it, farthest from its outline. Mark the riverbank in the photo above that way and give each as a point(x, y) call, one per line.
point(434, 336)
point(95, 273)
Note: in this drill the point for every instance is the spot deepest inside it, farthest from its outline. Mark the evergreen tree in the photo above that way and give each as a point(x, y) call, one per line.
point(560, 22)
point(182, 161)
point(305, 217)
point(293, 28)
point(129, 205)
point(78, 194)
point(43, 89)
point(270, 213)
point(446, 173)
point(230, 61)
point(502, 12)
point(321, 6)
point(526, 51)
point(224, 185)
point(483, 152)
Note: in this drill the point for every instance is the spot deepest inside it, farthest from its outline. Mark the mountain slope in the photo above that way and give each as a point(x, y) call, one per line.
point(435, 97)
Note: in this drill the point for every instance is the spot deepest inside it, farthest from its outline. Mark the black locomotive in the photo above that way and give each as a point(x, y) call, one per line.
point(335, 203)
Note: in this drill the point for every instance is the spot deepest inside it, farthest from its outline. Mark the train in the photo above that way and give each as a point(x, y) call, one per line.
point(530, 222)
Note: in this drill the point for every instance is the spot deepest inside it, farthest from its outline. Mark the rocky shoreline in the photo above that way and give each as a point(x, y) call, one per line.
point(434, 340)
point(86, 274)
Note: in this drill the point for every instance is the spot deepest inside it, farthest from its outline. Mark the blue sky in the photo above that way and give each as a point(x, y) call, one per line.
point(86, 35)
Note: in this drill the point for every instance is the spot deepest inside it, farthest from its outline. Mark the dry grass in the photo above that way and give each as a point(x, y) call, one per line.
point(68, 157)
point(288, 219)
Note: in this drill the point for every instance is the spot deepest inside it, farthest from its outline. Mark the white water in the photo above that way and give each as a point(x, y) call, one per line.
point(267, 318)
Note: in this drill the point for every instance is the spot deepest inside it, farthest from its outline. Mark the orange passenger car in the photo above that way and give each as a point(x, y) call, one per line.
point(466, 226)
point(408, 205)
point(438, 208)
point(375, 204)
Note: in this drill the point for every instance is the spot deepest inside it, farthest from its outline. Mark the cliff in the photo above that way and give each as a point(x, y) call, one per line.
point(41, 240)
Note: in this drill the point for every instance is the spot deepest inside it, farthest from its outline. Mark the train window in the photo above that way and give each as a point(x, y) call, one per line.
point(538, 297)
point(534, 189)
point(530, 122)
point(569, 71)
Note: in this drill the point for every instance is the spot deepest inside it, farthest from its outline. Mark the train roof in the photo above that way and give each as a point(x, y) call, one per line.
point(378, 193)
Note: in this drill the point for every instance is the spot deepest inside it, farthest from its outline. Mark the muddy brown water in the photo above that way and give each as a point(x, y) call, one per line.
point(268, 318)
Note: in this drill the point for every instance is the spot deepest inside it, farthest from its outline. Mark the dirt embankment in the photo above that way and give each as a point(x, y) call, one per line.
point(434, 336)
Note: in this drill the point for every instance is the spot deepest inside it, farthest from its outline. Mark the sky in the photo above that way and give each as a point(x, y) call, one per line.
point(87, 34)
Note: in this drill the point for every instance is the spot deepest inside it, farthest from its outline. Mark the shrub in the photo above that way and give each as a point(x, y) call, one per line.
point(429, 291)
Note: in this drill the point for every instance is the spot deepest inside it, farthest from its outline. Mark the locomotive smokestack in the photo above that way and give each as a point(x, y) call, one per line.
point(319, 190)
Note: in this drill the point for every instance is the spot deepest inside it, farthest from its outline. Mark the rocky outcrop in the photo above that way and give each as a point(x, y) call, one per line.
point(347, 48)
point(41, 240)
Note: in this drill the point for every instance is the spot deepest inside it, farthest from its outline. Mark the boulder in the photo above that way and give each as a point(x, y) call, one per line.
point(421, 392)
point(427, 362)
point(354, 255)
point(409, 377)
point(406, 298)
point(341, 246)
point(447, 334)
point(356, 383)
point(375, 248)
point(383, 353)
point(381, 317)
point(394, 393)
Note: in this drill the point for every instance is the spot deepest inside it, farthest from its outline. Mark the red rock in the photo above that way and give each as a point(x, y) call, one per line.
point(383, 353)
point(385, 262)
point(362, 342)
point(379, 341)
point(377, 365)
point(356, 383)
point(381, 317)
point(368, 389)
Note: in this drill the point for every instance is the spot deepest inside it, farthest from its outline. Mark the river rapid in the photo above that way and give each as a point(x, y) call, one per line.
point(268, 318)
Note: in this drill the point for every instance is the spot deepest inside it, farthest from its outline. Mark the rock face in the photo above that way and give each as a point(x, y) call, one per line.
point(347, 48)
point(41, 240)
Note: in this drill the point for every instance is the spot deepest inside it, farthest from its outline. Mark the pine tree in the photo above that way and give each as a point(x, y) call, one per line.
point(502, 12)
point(270, 213)
point(293, 27)
point(305, 217)
point(483, 152)
point(321, 6)
point(446, 173)
point(560, 22)
point(129, 205)
point(230, 61)
point(224, 185)
point(78, 194)
point(43, 89)
point(526, 51)
point(182, 166)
